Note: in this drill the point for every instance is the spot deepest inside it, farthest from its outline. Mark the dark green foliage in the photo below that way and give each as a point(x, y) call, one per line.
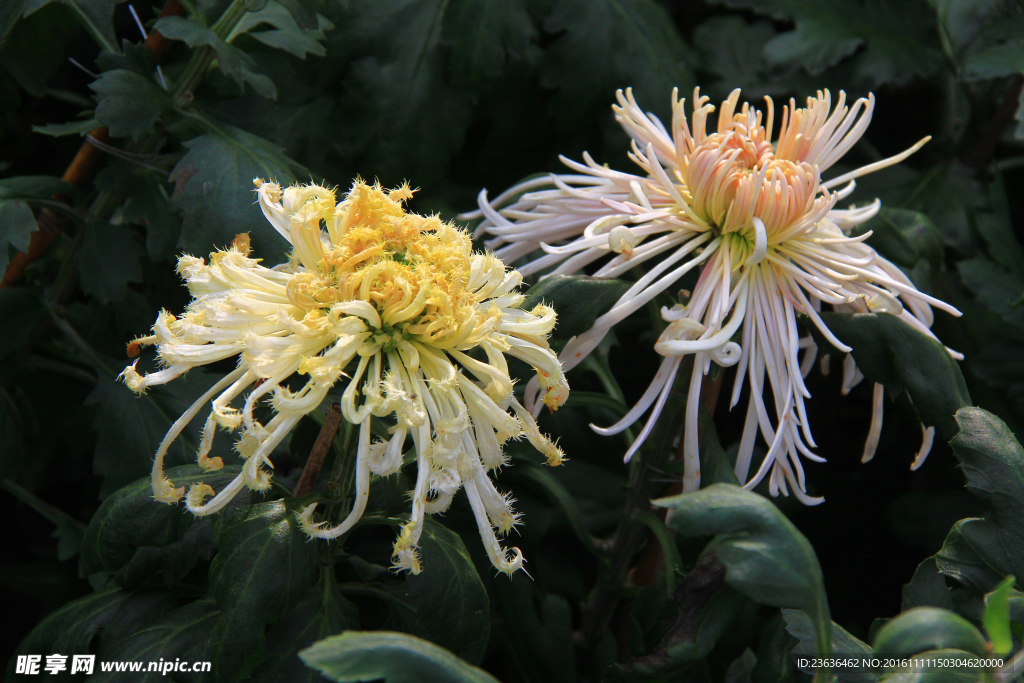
point(455, 96)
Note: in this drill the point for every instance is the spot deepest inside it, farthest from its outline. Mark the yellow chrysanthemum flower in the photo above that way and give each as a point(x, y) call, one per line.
point(400, 297)
point(760, 220)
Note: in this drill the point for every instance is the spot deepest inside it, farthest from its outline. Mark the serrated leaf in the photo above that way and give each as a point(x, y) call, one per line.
point(90, 623)
point(798, 624)
point(980, 552)
point(129, 428)
point(610, 44)
point(997, 618)
point(321, 614)
point(891, 352)
point(995, 61)
point(393, 657)
point(927, 588)
point(766, 557)
point(265, 564)
point(928, 628)
point(232, 61)
point(16, 227)
point(214, 192)
point(109, 259)
point(484, 35)
point(452, 609)
point(58, 130)
point(131, 519)
point(182, 634)
point(286, 34)
point(129, 103)
point(578, 300)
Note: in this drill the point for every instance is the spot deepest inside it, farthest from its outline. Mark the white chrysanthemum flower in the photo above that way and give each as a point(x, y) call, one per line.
point(762, 223)
point(425, 322)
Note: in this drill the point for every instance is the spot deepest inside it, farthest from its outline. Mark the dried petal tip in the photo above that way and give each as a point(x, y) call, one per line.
point(405, 556)
point(242, 244)
point(164, 491)
point(197, 494)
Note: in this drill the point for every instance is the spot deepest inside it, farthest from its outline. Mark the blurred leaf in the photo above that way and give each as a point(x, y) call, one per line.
point(891, 352)
point(183, 634)
point(38, 186)
point(452, 608)
point(766, 557)
point(774, 661)
point(70, 128)
point(484, 35)
point(681, 651)
point(34, 53)
point(322, 613)
point(20, 309)
point(603, 45)
point(578, 299)
point(905, 237)
point(800, 625)
point(980, 552)
point(214, 192)
point(559, 496)
point(997, 288)
point(537, 644)
point(88, 624)
point(898, 43)
point(995, 61)
point(131, 519)
point(129, 104)
point(16, 227)
point(733, 48)
point(232, 61)
point(69, 530)
point(928, 628)
point(148, 204)
point(95, 16)
point(997, 618)
point(927, 588)
point(265, 564)
point(286, 34)
point(109, 259)
point(393, 657)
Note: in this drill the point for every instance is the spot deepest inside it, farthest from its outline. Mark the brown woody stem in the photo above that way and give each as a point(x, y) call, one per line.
point(318, 454)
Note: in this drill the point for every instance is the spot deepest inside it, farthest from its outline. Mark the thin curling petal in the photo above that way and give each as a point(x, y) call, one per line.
point(741, 197)
point(388, 309)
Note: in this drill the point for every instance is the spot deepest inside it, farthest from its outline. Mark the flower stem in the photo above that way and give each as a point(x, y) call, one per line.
point(318, 454)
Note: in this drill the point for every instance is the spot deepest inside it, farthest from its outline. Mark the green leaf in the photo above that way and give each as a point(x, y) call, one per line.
point(109, 259)
point(89, 624)
point(997, 618)
point(610, 44)
point(35, 186)
point(131, 520)
point(578, 299)
point(34, 53)
point(766, 557)
point(393, 657)
point(537, 637)
point(232, 61)
point(996, 287)
point(891, 352)
point(214, 192)
point(732, 48)
point(129, 428)
point(485, 35)
point(148, 204)
point(980, 552)
point(20, 309)
point(264, 566)
point(898, 44)
point(995, 61)
point(58, 130)
point(905, 237)
point(95, 16)
point(129, 103)
point(322, 613)
point(16, 227)
point(559, 496)
point(286, 34)
point(69, 530)
point(927, 588)
point(928, 628)
point(798, 624)
point(183, 634)
point(452, 608)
